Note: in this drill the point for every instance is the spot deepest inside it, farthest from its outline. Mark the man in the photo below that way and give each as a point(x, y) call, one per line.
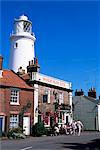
point(74, 126)
point(56, 130)
point(79, 127)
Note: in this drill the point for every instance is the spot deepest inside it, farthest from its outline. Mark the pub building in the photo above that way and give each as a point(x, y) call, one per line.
point(52, 97)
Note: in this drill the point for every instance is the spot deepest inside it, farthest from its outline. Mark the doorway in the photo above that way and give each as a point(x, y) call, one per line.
point(2, 124)
point(26, 125)
point(66, 119)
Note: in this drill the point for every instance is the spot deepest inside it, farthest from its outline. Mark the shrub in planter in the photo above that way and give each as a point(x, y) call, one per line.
point(10, 134)
point(17, 130)
point(39, 129)
point(15, 133)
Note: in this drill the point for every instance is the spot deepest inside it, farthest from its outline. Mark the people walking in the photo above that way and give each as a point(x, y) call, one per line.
point(74, 127)
point(68, 129)
point(79, 127)
point(56, 129)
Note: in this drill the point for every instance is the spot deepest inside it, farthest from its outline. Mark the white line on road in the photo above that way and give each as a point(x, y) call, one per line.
point(26, 148)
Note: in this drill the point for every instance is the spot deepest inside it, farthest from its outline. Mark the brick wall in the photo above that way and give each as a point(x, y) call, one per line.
point(45, 107)
point(6, 108)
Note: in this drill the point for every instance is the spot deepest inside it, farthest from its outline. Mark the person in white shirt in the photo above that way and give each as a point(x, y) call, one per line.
point(56, 130)
point(74, 126)
point(79, 127)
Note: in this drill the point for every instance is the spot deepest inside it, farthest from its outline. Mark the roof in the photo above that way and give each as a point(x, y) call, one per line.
point(96, 101)
point(10, 78)
point(25, 76)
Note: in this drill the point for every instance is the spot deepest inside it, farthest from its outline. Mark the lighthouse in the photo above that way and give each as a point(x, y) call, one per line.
point(22, 44)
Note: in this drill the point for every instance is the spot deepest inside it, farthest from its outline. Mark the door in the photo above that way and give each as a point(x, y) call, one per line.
point(26, 125)
point(1, 124)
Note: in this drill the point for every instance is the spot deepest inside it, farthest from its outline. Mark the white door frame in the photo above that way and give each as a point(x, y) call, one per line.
point(26, 125)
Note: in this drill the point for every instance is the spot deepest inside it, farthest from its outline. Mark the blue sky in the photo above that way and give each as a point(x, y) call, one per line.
point(67, 38)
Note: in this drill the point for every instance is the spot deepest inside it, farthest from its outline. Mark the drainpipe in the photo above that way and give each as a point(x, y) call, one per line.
point(99, 116)
point(70, 102)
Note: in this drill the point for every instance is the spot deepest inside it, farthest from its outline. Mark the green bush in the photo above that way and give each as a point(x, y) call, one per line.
point(17, 130)
point(39, 129)
point(11, 132)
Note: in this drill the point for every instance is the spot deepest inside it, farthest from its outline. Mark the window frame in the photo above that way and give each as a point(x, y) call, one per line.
point(13, 121)
point(14, 96)
point(45, 95)
point(61, 98)
point(15, 44)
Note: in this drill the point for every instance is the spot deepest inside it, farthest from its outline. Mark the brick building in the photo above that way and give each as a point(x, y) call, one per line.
point(52, 96)
point(16, 101)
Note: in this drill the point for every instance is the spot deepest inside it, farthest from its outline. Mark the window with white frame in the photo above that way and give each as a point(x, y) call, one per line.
point(14, 97)
point(14, 121)
point(46, 96)
point(61, 100)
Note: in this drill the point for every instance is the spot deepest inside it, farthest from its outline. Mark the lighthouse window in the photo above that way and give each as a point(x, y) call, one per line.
point(27, 27)
point(15, 45)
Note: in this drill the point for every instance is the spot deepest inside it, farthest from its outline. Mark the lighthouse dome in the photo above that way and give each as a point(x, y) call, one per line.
point(23, 17)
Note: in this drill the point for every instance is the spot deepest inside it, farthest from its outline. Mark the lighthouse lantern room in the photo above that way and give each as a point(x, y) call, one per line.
point(22, 44)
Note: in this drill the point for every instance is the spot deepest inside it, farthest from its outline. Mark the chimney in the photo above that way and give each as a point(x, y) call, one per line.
point(1, 62)
point(92, 93)
point(21, 71)
point(33, 66)
point(79, 92)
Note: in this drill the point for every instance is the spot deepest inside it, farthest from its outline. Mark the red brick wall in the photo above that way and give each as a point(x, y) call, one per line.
point(49, 106)
point(4, 100)
point(5, 106)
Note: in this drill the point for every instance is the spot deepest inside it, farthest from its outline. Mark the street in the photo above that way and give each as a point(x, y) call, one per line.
point(87, 141)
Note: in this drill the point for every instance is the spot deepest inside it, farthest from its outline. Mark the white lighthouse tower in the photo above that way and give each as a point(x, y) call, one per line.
point(22, 44)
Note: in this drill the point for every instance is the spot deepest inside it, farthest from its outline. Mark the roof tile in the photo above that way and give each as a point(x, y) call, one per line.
point(10, 78)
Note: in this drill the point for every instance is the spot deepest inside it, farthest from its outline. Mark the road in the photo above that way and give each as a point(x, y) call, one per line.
point(87, 141)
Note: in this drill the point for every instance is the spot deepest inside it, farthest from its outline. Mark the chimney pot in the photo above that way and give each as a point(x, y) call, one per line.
point(1, 62)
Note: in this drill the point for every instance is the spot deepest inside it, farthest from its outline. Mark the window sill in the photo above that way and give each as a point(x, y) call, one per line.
point(14, 104)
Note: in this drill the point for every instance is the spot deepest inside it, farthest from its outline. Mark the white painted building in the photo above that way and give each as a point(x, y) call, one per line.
point(22, 44)
point(46, 87)
point(47, 80)
point(87, 109)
